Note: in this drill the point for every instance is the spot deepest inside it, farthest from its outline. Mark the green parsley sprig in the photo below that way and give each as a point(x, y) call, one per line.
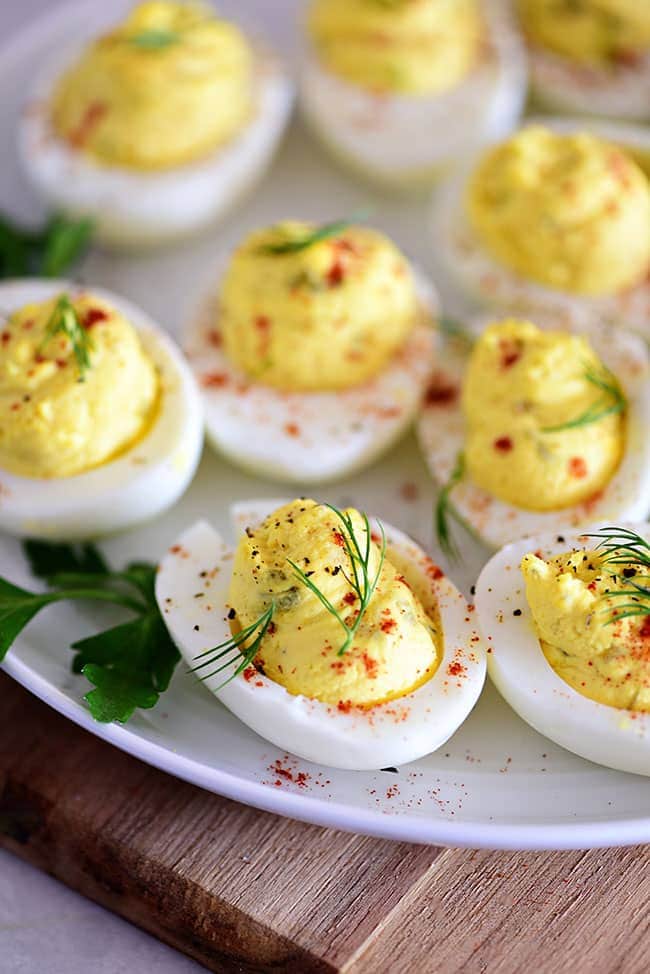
point(130, 664)
point(243, 646)
point(293, 245)
point(64, 320)
point(621, 549)
point(43, 253)
point(445, 511)
point(613, 402)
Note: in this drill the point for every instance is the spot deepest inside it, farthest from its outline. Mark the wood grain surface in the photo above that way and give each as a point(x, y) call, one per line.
point(245, 891)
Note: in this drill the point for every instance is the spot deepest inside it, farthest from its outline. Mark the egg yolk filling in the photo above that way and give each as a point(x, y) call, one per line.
point(167, 86)
point(414, 47)
point(602, 33)
point(581, 628)
point(317, 317)
point(571, 212)
point(397, 645)
point(537, 432)
point(57, 420)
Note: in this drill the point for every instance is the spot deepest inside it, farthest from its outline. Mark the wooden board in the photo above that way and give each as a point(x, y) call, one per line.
point(246, 891)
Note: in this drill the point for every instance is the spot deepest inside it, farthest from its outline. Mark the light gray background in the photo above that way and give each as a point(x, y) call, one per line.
point(44, 927)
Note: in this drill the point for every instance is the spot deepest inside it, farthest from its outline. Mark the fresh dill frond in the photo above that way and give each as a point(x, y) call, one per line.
point(64, 320)
point(154, 39)
point(621, 549)
point(358, 576)
point(227, 653)
point(452, 328)
point(445, 510)
point(324, 232)
point(612, 402)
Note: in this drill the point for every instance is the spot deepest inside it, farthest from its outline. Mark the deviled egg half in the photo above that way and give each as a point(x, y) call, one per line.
point(567, 625)
point(333, 637)
point(100, 417)
point(398, 90)
point(554, 218)
point(528, 426)
point(157, 127)
point(591, 57)
point(312, 350)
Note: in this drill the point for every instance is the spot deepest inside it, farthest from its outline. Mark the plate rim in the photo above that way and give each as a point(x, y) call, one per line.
point(596, 833)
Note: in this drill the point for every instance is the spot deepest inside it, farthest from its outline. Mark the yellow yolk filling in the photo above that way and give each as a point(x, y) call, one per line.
point(51, 423)
point(597, 32)
point(327, 316)
point(570, 597)
point(571, 212)
point(414, 47)
point(397, 646)
point(522, 384)
point(166, 87)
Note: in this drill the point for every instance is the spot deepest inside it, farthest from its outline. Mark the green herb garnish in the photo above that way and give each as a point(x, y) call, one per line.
point(42, 253)
point(231, 650)
point(243, 646)
point(154, 39)
point(452, 328)
point(64, 320)
point(612, 402)
point(445, 510)
point(358, 576)
point(622, 548)
point(131, 664)
point(294, 245)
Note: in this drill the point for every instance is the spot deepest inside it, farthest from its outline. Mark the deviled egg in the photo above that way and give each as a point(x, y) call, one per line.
point(590, 57)
point(566, 619)
point(333, 637)
point(554, 218)
point(100, 417)
point(156, 127)
point(312, 350)
point(530, 426)
point(398, 90)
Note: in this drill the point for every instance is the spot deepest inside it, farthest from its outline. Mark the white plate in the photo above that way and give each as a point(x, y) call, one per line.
point(496, 783)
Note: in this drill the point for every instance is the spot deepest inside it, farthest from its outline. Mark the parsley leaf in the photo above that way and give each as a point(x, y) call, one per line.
point(47, 252)
point(130, 664)
point(63, 242)
point(17, 607)
point(47, 560)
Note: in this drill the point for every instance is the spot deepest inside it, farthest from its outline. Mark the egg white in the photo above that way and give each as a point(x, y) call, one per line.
point(564, 85)
point(441, 434)
point(307, 437)
point(131, 208)
point(141, 482)
point(493, 284)
point(518, 668)
point(403, 140)
point(388, 734)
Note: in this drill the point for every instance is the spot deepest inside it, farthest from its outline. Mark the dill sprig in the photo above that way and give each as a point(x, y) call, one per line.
point(452, 328)
point(612, 402)
point(622, 548)
point(245, 644)
point(154, 39)
point(358, 576)
point(64, 320)
point(237, 647)
point(324, 232)
point(445, 510)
